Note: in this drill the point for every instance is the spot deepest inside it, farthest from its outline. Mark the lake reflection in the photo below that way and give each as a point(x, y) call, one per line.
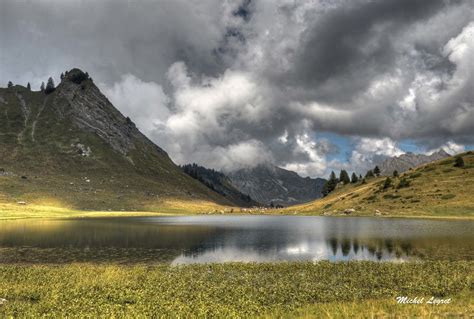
point(201, 239)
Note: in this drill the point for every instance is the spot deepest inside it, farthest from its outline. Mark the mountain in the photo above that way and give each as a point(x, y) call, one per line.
point(72, 148)
point(438, 188)
point(219, 183)
point(409, 160)
point(268, 184)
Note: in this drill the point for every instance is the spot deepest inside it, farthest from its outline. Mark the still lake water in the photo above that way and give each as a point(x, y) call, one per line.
point(202, 239)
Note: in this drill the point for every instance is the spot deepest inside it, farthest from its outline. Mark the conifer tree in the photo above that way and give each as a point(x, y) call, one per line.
point(387, 183)
point(354, 178)
point(344, 177)
point(10, 84)
point(369, 174)
point(28, 86)
point(330, 184)
point(50, 86)
point(395, 173)
point(377, 171)
point(42, 87)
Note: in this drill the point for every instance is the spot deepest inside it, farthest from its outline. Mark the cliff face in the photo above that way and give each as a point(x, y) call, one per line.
point(220, 183)
point(91, 111)
point(74, 131)
point(271, 184)
point(406, 161)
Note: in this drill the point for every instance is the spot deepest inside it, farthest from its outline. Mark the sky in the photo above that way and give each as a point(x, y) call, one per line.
point(311, 86)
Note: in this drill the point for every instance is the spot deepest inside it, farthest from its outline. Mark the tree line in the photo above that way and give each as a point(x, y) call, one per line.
point(49, 87)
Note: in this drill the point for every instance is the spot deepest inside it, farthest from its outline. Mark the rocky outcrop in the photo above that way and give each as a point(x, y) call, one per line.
point(90, 110)
point(268, 184)
point(409, 160)
point(74, 131)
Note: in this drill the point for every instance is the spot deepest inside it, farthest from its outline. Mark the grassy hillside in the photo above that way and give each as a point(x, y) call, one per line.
point(435, 189)
point(220, 183)
point(72, 150)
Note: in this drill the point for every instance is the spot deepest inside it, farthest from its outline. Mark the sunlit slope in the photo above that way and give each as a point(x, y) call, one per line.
point(435, 189)
point(73, 149)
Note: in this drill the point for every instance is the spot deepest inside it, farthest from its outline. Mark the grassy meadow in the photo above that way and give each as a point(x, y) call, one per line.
point(436, 189)
point(323, 289)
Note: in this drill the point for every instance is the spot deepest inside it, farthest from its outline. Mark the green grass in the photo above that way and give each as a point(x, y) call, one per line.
point(434, 190)
point(41, 146)
point(62, 183)
point(230, 290)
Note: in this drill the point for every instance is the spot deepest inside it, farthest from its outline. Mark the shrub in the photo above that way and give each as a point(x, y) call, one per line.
point(387, 183)
point(391, 196)
point(458, 161)
point(77, 76)
point(403, 183)
point(415, 175)
point(448, 196)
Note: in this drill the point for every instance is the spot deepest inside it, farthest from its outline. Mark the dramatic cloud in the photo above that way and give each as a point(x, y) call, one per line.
point(149, 107)
point(370, 151)
point(450, 147)
point(229, 84)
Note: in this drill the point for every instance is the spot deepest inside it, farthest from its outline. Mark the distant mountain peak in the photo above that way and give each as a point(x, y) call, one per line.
point(268, 183)
point(409, 160)
point(441, 152)
point(74, 130)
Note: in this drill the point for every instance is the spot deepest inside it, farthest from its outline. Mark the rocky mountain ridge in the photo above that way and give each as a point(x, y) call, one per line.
point(84, 153)
point(409, 160)
point(220, 183)
point(267, 184)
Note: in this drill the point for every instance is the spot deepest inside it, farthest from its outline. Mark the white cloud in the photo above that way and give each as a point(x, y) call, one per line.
point(144, 101)
point(315, 153)
point(247, 84)
point(369, 151)
point(450, 147)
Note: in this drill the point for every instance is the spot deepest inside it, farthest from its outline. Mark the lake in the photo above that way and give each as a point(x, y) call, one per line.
point(202, 239)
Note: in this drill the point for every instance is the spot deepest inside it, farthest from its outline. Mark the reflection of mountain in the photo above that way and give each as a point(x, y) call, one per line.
point(200, 239)
point(336, 239)
point(121, 240)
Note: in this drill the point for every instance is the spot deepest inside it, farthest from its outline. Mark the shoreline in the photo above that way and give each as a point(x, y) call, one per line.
point(127, 214)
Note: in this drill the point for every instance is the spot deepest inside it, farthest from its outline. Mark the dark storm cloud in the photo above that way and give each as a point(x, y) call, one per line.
point(234, 83)
point(109, 38)
point(350, 44)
